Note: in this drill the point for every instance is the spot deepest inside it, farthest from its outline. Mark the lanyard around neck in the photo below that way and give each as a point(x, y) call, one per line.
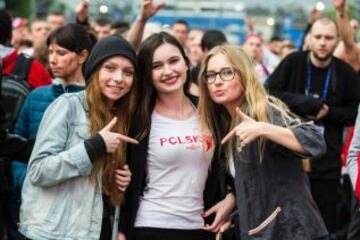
point(309, 81)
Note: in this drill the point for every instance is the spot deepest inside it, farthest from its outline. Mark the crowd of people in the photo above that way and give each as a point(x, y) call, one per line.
point(111, 130)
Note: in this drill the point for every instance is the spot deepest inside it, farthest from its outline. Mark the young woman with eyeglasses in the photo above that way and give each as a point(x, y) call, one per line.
point(264, 144)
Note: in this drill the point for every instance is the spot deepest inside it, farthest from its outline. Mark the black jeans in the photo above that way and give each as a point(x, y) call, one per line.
point(106, 229)
point(146, 233)
point(354, 228)
point(323, 238)
point(326, 195)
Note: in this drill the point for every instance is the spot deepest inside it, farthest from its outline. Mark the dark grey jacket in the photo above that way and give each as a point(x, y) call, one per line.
point(273, 194)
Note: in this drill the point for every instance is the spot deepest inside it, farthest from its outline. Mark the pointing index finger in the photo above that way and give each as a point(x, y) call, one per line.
point(228, 136)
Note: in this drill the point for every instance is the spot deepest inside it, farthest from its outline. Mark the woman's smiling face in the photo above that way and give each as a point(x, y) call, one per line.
point(116, 76)
point(169, 69)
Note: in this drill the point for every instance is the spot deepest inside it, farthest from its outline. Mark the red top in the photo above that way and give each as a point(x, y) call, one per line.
point(38, 76)
point(357, 185)
point(346, 147)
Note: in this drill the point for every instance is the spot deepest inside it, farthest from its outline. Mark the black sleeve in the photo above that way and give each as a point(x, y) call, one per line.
point(345, 113)
point(278, 84)
point(95, 147)
point(16, 147)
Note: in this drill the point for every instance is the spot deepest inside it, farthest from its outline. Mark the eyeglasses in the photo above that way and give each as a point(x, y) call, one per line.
point(226, 74)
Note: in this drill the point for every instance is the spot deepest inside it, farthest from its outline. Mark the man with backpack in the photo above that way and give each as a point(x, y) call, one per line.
point(30, 73)
point(38, 76)
point(19, 75)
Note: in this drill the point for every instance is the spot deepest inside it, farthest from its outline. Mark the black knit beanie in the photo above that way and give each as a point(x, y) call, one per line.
point(108, 47)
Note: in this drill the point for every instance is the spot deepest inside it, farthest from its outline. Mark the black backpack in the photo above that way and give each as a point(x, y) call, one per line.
point(14, 90)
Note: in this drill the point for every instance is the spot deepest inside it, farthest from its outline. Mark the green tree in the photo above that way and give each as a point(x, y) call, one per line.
point(331, 13)
point(21, 8)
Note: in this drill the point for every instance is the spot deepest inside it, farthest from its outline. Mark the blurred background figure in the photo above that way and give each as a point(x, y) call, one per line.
point(287, 46)
point(347, 50)
point(102, 28)
point(34, 75)
point(274, 45)
point(120, 28)
point(39, 31)
point(212, 38)
point(181, 31)
point(193, 45)
point(209, 40)
point(56, 20)
point(20, 34)
point(253, 46)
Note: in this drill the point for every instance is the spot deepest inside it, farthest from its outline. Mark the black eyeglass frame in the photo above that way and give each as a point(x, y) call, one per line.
point(220, 73)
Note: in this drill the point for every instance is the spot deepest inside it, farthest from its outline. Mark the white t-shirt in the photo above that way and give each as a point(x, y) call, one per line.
point(177, 168)
point(231, 165)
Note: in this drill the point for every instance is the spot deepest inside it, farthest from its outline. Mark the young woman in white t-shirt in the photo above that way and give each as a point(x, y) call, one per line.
point(170, 167)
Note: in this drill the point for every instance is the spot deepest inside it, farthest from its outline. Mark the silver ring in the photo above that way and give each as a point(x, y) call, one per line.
point(239, 145)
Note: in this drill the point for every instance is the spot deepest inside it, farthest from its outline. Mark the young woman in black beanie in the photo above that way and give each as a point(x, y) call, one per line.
point(80, 143)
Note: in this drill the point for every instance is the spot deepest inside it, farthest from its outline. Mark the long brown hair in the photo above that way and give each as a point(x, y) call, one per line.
point(99, 116)
point(255, 100)
point(147, 91)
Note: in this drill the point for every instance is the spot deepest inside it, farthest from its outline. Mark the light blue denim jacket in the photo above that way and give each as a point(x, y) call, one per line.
point(59, 201)
point(352, 159)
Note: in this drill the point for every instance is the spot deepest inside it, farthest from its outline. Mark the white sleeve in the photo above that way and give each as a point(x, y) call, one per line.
point(352, 159)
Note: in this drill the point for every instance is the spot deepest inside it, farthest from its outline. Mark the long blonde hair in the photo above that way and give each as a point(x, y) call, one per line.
point(255, 100)
point(99, 116)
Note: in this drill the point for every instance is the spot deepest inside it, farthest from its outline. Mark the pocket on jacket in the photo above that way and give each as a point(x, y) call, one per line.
point(79, 133)
point(82, 132)
point(270, 220)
